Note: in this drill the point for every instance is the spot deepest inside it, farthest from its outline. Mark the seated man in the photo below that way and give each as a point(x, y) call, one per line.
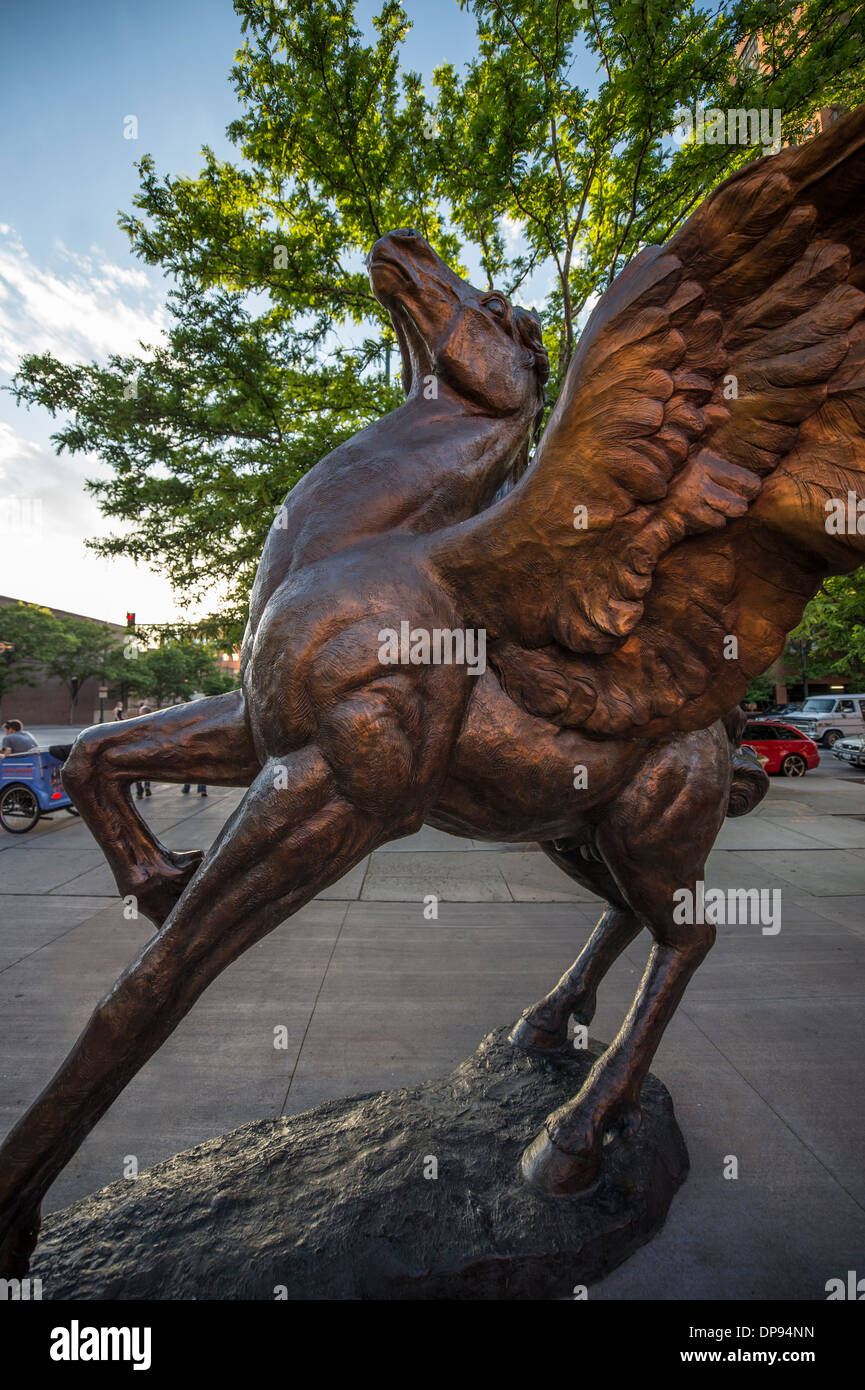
point(16, 739)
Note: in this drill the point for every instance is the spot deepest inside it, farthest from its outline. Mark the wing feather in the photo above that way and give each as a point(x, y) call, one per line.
point(672, 525)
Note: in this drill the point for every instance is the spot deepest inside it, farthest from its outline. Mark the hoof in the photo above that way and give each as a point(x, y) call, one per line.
point(160, 892)
point(629, 1120)
point(546, 1166)
point(585, 1012)
point(539, 1041)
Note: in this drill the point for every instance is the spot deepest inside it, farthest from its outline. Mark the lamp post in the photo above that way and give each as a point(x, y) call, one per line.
point(802, 654)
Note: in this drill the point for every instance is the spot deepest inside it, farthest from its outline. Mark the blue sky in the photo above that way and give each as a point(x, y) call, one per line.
point(74, 68)
point(71, 71)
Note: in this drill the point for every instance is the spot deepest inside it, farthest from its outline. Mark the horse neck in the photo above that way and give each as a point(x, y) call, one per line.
point(448, 460)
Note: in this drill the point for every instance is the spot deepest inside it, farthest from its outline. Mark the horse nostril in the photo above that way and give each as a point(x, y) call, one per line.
point(408, 232)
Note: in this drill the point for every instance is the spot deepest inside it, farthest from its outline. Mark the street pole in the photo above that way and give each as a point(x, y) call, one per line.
point(7, 650)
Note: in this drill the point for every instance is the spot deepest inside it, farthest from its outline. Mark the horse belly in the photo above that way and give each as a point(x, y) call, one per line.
point(514, 776)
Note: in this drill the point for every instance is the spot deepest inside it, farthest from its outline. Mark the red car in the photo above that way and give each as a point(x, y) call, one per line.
point(785, 749)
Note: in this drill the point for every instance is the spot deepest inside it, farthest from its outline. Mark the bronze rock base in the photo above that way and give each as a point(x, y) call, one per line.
point(334, 1204)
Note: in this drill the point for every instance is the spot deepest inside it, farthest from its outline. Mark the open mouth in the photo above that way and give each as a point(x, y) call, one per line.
point(408, 337)
point(391, 294)
point(383, 262)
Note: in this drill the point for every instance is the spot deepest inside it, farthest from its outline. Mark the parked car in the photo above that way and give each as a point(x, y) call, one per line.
point(30, 787)
point(851, 750)
point(826, 718)
point(777, 712)
point(781, 748)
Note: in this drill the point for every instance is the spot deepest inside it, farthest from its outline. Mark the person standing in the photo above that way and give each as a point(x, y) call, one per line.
point(201, 788)
point(143, 788)
point(118, 710)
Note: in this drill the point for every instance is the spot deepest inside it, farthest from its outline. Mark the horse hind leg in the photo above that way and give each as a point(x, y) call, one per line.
point(543, 1028)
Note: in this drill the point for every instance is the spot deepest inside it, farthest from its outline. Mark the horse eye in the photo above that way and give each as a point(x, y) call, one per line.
point(497, 306)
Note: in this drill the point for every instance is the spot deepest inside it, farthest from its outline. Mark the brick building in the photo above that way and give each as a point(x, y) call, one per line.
point(48, 703)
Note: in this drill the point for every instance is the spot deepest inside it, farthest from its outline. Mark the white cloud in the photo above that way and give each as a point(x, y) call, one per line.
point(513, 232)
point(31, 471)
point(80, 308)
point(14, 449)
point(45, 515)
point(113, 275)
point(86, 309)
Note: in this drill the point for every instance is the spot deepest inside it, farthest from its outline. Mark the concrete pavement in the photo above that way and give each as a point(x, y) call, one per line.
point(360, 991)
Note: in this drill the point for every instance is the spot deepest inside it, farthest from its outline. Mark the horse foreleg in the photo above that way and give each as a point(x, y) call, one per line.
point(544, 1026)
point(203, 741)
point(654, 839)
point(292, 836)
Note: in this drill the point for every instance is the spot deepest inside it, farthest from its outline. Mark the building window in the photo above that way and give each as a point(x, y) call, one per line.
point(750, 55)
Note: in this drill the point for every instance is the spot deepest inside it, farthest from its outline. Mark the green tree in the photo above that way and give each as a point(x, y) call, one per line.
point(29, 638)
point(833, 627)
point(277, 351)
point(218, 682)
point(83, 648)
point(760, 691)
point(177, 671)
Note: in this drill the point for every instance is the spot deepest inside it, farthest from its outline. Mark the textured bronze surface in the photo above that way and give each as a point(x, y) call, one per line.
point(258, 1207)
point(627, 586)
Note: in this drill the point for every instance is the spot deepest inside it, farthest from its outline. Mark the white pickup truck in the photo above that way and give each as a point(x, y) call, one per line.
point(826, 718)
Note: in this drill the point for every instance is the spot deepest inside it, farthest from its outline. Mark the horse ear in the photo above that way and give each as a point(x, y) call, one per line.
point(528, 326)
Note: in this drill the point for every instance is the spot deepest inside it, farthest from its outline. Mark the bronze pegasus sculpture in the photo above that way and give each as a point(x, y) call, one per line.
point(628, 583)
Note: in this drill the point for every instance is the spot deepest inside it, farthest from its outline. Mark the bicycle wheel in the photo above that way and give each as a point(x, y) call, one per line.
point(19, 809)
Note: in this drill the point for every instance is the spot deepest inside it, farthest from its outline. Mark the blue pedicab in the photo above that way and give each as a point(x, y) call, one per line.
point(30, 787)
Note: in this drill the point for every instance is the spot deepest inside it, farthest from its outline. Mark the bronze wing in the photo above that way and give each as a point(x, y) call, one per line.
point(673, 523)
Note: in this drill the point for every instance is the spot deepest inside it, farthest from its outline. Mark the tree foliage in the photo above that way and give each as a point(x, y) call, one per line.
point(28, 634)
point(277, 351)
point(833, 627)
point(81, 648)
point(41, 645)
point(175, 671)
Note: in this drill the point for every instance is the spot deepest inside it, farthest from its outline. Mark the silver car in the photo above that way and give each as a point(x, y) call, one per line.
point(850, 750)
point(827, 718)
